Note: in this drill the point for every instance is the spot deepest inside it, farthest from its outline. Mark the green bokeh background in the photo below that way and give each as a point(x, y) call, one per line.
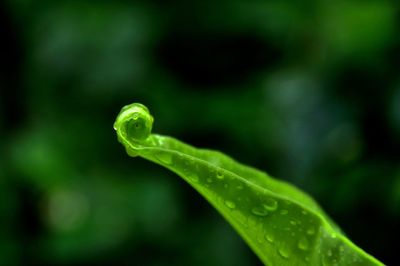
point(308, 91)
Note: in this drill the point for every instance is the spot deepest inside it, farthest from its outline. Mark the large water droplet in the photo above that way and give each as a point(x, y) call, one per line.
point(284, 252)
point(230, 204)
point(220, 174)
point(164, 157)
point(303, 243)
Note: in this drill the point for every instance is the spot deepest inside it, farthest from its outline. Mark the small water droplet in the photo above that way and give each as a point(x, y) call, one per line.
point(209, 180)
point(304, 212)
point(135, 116)
point(164, 157)
point(341, 248)
point(311, 231)
point(329, 253)
point(292, 222)
point(284, 252)
point(270, 204)
point(269, 237)
point(260, 239)
point(194, 178)
point(259, 211)
point(226, 185)
point(230, 204)
point(239, 187)
point(284, 212)
point(220, 174)
point(303, 243)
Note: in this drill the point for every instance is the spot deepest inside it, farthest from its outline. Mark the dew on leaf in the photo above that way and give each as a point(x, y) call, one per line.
point(283, 252)
point(303, 243)
point(259, 211)
point(311, 231)
point(270, 204)
point(230, 204)
point(220, 175)
point(269, 237)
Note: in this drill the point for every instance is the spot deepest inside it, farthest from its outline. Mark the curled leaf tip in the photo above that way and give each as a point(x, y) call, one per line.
point(133, 123)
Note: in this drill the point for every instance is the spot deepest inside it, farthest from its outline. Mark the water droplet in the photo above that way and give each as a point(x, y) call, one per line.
point(329, 253)
point(209, 180)
point(303, 243)
point(220, 174)
point(292, 222)
point(164, 157)
point(284, 252)
point(194, 178)
point(284, 212)
point(230, 204)
point(135, 116)
point(341, 248)
point(269, 238)
point(260, 239)
point(311, 231)
point(225, 185)
point(304, 212)
point(239, 187)
point(259, 211)
point(270, 204)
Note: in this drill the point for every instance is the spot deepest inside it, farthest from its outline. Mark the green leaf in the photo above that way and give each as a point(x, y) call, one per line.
point(282, 225)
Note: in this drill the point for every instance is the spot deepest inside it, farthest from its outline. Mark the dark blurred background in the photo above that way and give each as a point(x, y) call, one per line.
point(308, 91)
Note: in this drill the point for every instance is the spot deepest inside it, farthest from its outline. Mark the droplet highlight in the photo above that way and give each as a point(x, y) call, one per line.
point(230, 204)
point(220, 174)
point(303, 244)
point(284, 212)
point(283, 252)
point(269, 238)
point(311, 231)
point(270, 204)
point(259, 211)
point(194, 178)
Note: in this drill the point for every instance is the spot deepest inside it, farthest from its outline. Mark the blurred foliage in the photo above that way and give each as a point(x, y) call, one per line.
point(315, 84)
